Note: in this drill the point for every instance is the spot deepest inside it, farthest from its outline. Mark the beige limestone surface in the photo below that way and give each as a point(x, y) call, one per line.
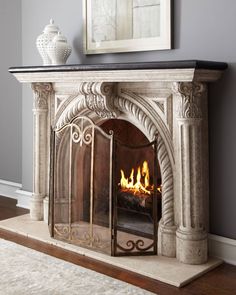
point(167, 270)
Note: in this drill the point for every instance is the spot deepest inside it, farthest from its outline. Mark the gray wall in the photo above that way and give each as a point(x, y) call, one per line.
point(203, 29)
point(10, 91)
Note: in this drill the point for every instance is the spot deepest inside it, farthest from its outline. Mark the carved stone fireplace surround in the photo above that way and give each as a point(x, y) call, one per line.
point(164, 98)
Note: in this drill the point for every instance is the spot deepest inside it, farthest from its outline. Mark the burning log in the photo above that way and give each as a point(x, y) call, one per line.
point(140, 203)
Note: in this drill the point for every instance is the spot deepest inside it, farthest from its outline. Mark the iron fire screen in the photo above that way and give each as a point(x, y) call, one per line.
point(89, 205)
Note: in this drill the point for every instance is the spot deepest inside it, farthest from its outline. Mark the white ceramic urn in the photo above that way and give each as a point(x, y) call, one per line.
point(49, 32)
point(59, 50)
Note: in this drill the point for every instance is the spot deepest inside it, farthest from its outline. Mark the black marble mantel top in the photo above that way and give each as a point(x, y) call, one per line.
point(182, 64)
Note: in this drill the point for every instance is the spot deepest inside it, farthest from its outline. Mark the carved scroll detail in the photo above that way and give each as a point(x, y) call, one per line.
point(125, 105)
point(41, 94)
point(167, 184)
point(99, 97)
point(74, 109)
point(190, 94)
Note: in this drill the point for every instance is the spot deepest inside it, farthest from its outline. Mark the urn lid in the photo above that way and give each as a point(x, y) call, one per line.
point(51, 28)
point(59, 38)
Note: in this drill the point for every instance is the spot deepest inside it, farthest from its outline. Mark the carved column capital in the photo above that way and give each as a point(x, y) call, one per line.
point(99, 97)
point(41, 95)
point(190, 99)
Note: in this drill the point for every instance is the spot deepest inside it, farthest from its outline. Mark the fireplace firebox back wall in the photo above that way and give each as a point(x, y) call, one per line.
point(167, 104)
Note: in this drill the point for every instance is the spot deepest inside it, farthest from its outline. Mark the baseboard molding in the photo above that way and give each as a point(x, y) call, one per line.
point(23, 198)
point(223, 248)
point(13, 190)
point(8, 188)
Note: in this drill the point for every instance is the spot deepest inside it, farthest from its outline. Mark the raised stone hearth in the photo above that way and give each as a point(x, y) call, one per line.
point(165, 100)
point(161, 268)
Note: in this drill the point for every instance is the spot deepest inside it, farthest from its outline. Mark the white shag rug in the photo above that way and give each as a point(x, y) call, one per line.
point(24, 271)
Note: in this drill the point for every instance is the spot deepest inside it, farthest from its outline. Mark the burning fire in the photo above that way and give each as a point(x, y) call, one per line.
point(142, 184)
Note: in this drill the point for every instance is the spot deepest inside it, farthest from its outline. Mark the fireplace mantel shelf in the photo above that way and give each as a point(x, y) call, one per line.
point(182, 64)
point(185, 70)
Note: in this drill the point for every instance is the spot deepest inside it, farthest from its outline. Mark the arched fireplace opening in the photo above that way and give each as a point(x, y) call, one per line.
point(106, 192)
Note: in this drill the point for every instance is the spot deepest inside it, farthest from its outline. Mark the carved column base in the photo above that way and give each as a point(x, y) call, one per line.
point(166, 240)
point(191, 247)
point(45, 209)
point(36, 207)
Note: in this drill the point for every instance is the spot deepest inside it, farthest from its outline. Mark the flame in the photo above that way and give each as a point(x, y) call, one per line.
point(142, 184)
point(145, 173)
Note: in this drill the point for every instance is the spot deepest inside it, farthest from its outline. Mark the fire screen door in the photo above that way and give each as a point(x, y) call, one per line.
point(134, 199)
point(97, 200)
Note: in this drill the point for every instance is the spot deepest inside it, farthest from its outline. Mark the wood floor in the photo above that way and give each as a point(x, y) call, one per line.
point(221, 281)
point(8, 208)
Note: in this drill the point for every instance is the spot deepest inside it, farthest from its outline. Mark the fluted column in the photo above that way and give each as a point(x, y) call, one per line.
point(191, 236)
point(42, 92)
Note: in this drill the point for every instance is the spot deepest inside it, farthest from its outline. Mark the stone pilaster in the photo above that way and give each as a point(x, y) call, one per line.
point(42, 92)
point(191, 236)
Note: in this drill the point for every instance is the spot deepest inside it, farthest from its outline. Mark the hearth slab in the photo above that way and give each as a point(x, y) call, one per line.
point(167, 270)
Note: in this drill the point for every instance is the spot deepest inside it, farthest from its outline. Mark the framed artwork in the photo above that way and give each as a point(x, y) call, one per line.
point(126, 25)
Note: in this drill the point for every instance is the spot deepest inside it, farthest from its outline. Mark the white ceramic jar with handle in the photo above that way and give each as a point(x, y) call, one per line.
point(59, 50)
point(49, 32)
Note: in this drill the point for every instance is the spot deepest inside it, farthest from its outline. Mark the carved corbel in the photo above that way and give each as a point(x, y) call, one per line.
point(190, 102)
point(41, 94)
point(99, 97)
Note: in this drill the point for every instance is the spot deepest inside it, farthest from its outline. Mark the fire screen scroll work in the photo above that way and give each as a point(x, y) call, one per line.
point(105, 194)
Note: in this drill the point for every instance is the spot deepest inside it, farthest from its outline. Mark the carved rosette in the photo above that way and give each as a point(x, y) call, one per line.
point(99, 98)
point(190, 99)
point(41, 94)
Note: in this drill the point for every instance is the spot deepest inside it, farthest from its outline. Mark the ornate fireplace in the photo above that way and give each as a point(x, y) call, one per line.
point(125, 150)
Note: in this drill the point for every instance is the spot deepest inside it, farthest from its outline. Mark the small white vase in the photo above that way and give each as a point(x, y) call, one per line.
point(59, 50)
point(43, 40)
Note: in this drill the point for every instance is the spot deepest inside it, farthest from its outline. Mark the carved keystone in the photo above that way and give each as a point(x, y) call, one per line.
point(99, 97)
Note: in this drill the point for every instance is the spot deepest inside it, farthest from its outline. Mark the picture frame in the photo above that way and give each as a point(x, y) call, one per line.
point(112, 26)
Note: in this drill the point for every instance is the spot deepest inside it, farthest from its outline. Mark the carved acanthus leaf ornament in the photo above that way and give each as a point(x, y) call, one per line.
point(190, 99)
point(41, 94)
